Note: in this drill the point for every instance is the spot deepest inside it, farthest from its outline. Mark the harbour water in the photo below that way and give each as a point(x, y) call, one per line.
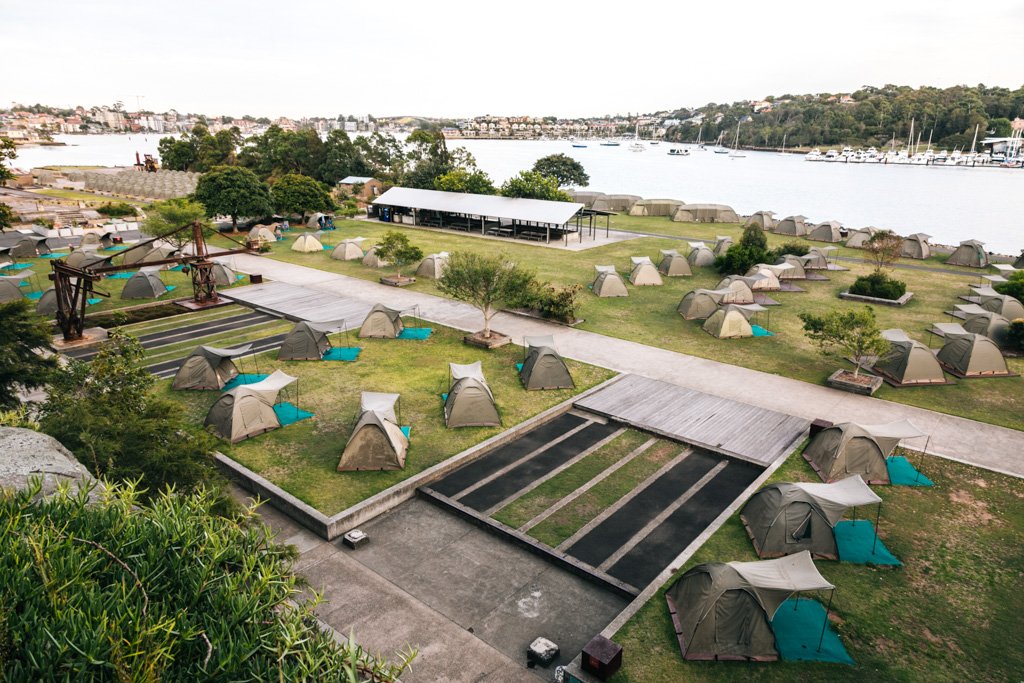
point(949, 203)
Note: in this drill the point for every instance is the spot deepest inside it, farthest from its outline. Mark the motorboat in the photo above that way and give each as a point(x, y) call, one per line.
point(813, 155)
point(678, 152)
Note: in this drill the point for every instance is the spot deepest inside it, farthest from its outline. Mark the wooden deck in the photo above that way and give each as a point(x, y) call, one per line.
point(739, 430)
point(299, 303)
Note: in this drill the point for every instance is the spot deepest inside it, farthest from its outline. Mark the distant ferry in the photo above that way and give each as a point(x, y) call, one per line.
point(678, 152)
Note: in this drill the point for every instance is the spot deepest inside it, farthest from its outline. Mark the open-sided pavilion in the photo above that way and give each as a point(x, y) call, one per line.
point(533, 219)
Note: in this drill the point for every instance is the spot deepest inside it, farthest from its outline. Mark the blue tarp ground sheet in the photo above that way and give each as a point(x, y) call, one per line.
point(797, 625)
point(761, 332)
point(856, 538)
point(121, 276)
point(415, 333)
point(348, 354)
point(902, 473)
point(290, 414)
point(239, 380)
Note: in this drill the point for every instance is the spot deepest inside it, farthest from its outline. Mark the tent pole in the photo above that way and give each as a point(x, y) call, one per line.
point(920, 460)
point(825, 624)
point(878, 515)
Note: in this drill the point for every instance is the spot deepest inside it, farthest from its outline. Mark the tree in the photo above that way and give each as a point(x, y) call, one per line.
point(7, 217)
point(842, 334)
point(745, 254)
point(7, 153)
point(115, 588)
point(566, 170)
point(170, 214)
point(341, 159)
point(884, 248)
point(25, 345)
point(461, 180)
point(533, 185)
point(299, 194)
point(485, 282)
point(395, 248)
point(232, 191)
point(103, 411)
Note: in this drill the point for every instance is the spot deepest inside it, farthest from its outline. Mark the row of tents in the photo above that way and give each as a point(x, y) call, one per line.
point(728, 610)
point(635, 205)
point(644, 273)
point(432, 266)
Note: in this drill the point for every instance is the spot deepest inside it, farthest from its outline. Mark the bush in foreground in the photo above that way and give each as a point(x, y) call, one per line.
point(116, 209)
point(118, 590)
point(878, 285)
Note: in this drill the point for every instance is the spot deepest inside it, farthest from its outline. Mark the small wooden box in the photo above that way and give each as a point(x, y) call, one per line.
point(602, 657)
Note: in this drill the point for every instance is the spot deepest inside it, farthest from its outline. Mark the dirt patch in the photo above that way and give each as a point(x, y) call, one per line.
point(980, 483)
point(978, 509)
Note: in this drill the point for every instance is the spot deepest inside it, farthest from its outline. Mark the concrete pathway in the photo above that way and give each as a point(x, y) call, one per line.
point(384, 617)
point(976, 443)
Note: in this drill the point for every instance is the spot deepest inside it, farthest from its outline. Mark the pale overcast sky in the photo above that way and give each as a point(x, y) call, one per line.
point(462, 58)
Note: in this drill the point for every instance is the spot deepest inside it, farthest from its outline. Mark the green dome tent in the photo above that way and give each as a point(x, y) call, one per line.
point(469, 402)
point(10, 291)
point(858, 239)
point(700, 304)
point(674, 264)
point(241, 413)
point(222, 275)
point(722, 244)
point(376, 442)
point(970, 355)
point(81, 258)
point(731, 321)
point(762, 219)
point(307, 243)
point(740, 288)
point(1003, 304)
point(543, 367)
point(844, 449)
point(916, 246)
point(723, 611)
point(381, 323)
point(145, 284)
point(372, 260)
point(970, 253)
point(608, 282)
point(992, 325)
point(348, 250)
point(643, 273)
point(828, 231)
point(908, 362)
point(793, 225)
point(208, 367)
point(785, 519)
point(47, 304)
point(308, 341)
point(700, 255)
point(432, 267)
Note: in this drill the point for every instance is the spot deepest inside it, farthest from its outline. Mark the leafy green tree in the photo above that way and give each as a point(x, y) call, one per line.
point(218, 150)
point(104, 413)
point(563, 168)
point(461, 180)
point(341, 159)
point(170, 214)
point(485, 282)
point(385, 156)
point(884, 248)
point(116, 588)
point(280, 152)
point(299, 194)
point(25, 351)
point(116, 209)
point(842, 334)
point(1000, 127)
point(745, 254)
point(232, 191)
point(753, 236)
point(533, 185)
point(7, 217)
point(395, 248)
point(7, 153)
point(1015, 335)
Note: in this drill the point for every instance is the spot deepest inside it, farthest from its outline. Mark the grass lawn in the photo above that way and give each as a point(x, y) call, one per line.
point(952, 613)
point(302, 458)
point(181, 282)
point(648, 314)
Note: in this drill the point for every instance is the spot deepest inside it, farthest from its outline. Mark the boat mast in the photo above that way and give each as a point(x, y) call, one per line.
point(975, 140)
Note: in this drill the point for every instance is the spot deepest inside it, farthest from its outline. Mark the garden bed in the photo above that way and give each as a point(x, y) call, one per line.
point(861, 384)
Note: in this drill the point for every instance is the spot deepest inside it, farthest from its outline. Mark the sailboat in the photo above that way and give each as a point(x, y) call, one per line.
point(700, 143)
point(636, 146)
point(736, 153)
point(783, 152)
point(718, 145)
